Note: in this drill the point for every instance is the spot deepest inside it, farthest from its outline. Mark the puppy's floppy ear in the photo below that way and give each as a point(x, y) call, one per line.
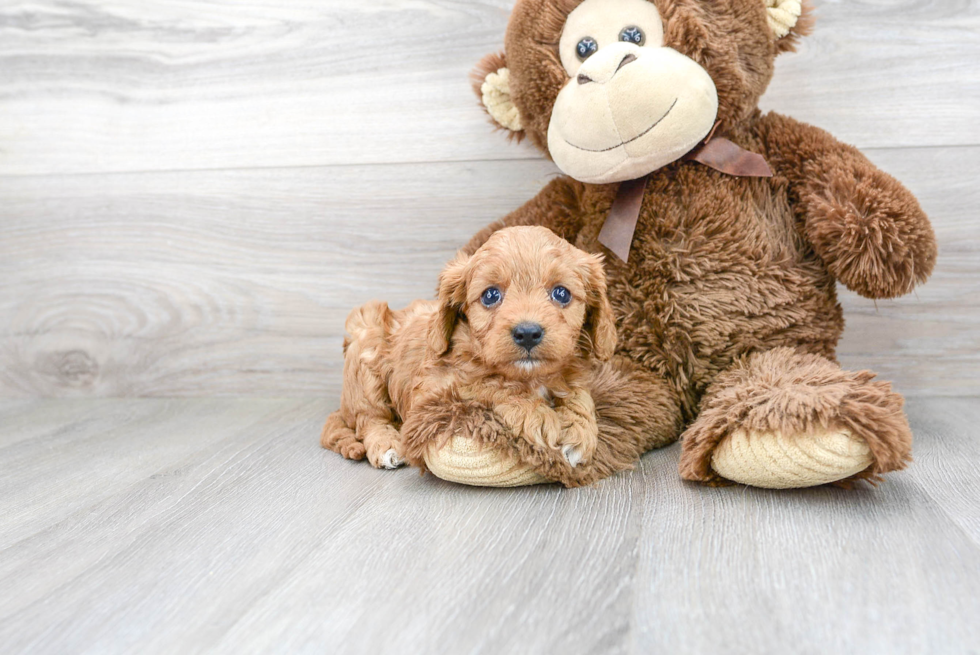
point(452, 297)
point(600, 322)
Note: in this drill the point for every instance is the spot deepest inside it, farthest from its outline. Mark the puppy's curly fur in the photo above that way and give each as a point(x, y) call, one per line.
point(465, 346)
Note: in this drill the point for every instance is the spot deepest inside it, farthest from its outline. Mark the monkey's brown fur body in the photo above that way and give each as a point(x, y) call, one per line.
point(727, 312)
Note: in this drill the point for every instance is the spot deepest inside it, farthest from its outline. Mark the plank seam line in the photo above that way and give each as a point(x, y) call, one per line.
point(435, 162)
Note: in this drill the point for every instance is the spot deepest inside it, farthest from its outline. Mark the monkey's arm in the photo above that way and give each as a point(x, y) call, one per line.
point(556, 207)
point(868, 229)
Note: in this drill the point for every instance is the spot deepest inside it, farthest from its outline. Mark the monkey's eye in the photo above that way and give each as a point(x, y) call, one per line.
point(561, 295)
point(586, 48)
point(490, 297)
point(632, 34)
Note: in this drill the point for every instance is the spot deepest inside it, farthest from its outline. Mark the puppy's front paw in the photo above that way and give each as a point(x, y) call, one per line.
point(392, 460)
point(573, 455)
point(539, 425)
point(579, 439)
point(544, 427)
point(382, 446)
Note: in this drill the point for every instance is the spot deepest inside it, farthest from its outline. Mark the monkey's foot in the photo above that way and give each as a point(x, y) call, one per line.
point(462, 460)
point(781, 420)
point(773, 461)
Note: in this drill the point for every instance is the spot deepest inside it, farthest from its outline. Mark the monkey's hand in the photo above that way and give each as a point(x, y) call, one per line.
point(868, 229)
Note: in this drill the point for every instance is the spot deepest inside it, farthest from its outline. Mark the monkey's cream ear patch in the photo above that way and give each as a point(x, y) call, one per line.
point(783, 15)
point(497, 100)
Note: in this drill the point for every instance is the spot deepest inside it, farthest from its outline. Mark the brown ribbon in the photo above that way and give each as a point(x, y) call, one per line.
point(715, 152)
point(722, 155)
point(617, 231)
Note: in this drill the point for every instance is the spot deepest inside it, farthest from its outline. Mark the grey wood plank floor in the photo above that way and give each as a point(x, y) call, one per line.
point(201, 525)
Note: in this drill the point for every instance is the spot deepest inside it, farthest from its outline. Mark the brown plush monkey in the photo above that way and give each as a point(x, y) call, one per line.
point(725, 231)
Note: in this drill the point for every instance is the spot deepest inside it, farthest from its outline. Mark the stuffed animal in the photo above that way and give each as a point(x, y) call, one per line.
point(726, 231)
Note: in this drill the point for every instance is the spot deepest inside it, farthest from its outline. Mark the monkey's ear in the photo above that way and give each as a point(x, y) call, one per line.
point(788, 20)
point(600, 321)
point(452, 297)
point(491, 81)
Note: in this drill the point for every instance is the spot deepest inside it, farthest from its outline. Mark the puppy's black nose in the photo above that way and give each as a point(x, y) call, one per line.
point(528, 335)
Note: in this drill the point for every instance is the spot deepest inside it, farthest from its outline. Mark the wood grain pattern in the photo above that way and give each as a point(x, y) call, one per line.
point(228, 282)
point(338, 173)
point(221, 526)
point(238, 282)
point(95, 86)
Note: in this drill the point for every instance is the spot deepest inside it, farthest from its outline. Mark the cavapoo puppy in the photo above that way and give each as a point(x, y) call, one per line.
point(514, 327)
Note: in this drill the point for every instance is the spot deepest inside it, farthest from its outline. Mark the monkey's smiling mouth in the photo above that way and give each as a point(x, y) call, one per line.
point(638, 136)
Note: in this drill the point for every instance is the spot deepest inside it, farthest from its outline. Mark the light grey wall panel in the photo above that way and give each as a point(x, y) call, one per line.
point(238, 282)
point(193, 194)
point(93, 86)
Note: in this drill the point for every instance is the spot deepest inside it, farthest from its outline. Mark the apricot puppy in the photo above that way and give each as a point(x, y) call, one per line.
point(514, 327)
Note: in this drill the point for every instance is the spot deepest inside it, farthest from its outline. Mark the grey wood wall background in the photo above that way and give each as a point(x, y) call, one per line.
point(193, 193)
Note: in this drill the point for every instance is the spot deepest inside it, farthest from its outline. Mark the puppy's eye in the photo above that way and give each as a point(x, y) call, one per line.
point(561, 295)
point(586, 48)
point(490, 297)
point(632, 34)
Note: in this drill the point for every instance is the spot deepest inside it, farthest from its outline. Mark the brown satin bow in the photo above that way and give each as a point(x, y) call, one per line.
point(716, 152)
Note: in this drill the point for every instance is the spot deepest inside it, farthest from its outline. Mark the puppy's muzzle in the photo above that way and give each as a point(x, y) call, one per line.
point(528, 335)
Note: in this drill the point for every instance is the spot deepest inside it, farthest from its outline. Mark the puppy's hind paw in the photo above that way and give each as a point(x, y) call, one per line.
point(392, 460)
point(573, 455)
point(352, 449)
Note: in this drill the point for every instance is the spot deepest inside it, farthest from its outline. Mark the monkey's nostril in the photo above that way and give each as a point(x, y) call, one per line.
point(628, 59)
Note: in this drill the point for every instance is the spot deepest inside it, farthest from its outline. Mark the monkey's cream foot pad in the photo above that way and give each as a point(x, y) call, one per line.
point(462, 460)
point(773, 461)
